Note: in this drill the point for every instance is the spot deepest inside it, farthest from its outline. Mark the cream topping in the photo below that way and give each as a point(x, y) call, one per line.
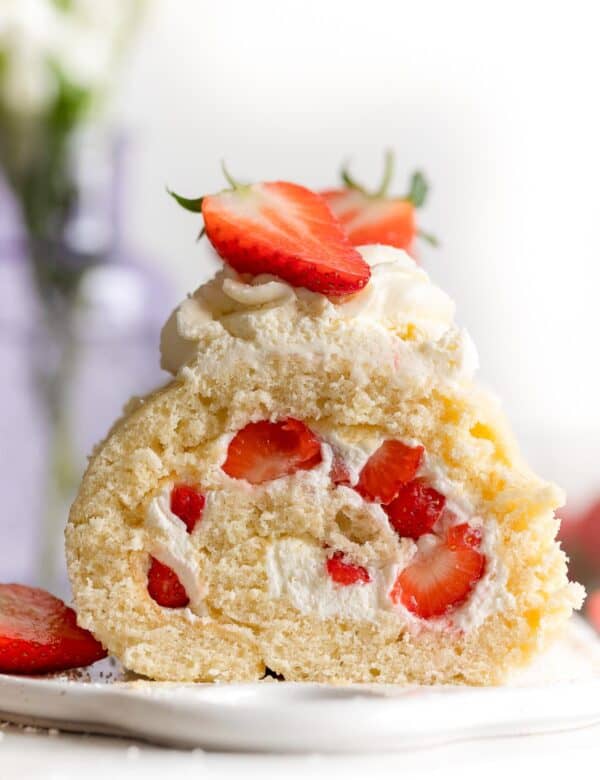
point(263, 291)
point(399, 294)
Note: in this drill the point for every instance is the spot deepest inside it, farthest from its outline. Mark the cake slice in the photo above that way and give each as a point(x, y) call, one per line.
point(321, 490)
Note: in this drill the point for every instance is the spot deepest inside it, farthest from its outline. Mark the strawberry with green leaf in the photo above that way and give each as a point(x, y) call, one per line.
point(377, 217)
point(282, 229)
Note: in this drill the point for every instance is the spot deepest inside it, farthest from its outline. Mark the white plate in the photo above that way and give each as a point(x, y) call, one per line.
point(561, 692)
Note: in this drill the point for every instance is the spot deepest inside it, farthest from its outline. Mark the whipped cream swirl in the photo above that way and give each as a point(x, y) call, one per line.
point(398, 296)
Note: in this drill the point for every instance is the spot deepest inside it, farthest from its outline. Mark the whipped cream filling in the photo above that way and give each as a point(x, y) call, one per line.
point(296, 569)
point(169, 542)
point(398, 295)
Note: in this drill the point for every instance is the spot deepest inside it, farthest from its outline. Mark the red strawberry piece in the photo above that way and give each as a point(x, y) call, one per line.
point(374, 220)
point(590, 533)
point(377, 218)
point(571, 527)
point(345, 573)
point(265, 450)
point(416, 509)
point(39, 633)
point(188, 504)
point(463, 535)
point(282, 229)
point(339, 471)
point(164, 586)
point(387, 470)
point(592, 609)
point(440, 578)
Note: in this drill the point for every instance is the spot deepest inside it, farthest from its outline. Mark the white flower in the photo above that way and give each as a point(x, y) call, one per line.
point(83, 56)
point(27, 28)
point(37, 39)
point(27, 23)
point(27, 86)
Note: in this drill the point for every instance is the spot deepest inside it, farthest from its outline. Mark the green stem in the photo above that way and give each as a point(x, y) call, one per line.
point(53, 380)
point(388, 174)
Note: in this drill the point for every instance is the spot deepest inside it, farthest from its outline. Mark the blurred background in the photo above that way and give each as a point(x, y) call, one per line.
point(104, 102)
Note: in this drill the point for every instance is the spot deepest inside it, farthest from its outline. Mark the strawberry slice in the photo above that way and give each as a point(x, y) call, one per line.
point(416, 509)
point(345, 573)
point(188, 504)
point(369, 220)
point(282, 229)
point(442, 577)
point(376, 218)
point(463, 535)
point(388, 469)
point(165, 587)
point(265, 450)
point(39, 634)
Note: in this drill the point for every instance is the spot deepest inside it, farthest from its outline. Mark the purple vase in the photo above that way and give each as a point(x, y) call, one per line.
point(73, 351)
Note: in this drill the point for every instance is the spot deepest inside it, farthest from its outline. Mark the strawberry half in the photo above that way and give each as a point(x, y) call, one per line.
point(165, 587)
point(389, 468)
point(345, 573)
point(188, 504)
point(416, 509)
point(39, 633)
point(282, 229)
point(442, 577)
point(377, 218)
point(265, 450)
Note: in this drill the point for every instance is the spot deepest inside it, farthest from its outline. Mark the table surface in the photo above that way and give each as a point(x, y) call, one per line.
point(28, 752)
point(33, 753)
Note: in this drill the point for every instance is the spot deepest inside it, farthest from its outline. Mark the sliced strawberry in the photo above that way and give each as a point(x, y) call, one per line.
point(264, 450)
point(345, 573)
point(463, 535)
point(282, 229)
point(416, 509)
point(387, 470)
point(164, 586)
point(39, 633)
point(339, 471)
point(188, 504)
point(440, 578)
point(376, 218)
point(369, 220)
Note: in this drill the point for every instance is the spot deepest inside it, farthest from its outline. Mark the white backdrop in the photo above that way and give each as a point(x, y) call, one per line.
point(498, 101)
